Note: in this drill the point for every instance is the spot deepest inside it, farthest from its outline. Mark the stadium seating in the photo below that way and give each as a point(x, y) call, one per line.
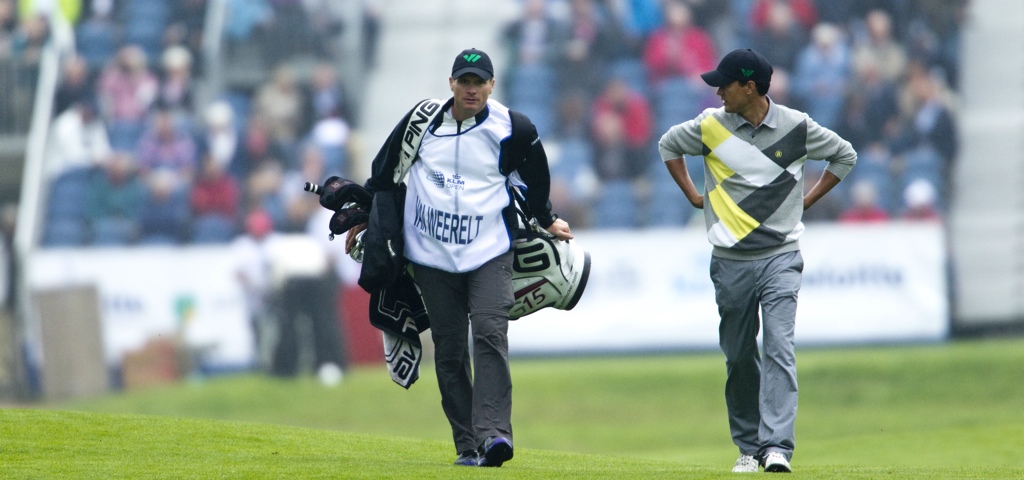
point(575, 155)
point(533, 93)
point(924, 163)
point(668, 207)
point(67, 199)
point(213, 229)
point(633, 72)
point(617, 206)
point(874, 166)
point(531, 89)
point(144, 25)
point(65, 221)
point(675, 100)
point(241, 107)
point(114, 231)
point(95, 42)
point(124, 135)
point(65, 233)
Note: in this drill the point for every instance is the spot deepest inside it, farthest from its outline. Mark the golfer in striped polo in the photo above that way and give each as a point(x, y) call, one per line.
point(754, 152)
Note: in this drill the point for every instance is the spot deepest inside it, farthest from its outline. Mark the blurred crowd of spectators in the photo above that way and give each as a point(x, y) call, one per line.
point(603, 80)
point(134, 159)
point(21, 43)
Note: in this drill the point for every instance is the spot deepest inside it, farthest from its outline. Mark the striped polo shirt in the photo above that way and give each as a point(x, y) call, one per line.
point(754, 182)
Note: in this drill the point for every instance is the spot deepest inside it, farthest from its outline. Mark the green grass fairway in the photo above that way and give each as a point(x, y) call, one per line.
point(935, 411)
point(77, 445)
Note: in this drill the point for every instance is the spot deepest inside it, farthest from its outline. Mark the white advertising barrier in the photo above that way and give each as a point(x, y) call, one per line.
point(189, 293)
point(650, 290)
point(148, 293)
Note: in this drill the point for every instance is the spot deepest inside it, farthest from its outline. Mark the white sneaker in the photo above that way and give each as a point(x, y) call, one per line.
point(776, 462)
point(745, 464)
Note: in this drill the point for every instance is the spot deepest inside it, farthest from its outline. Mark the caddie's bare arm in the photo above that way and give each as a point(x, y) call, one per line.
point(677, 168)
point(827, 181)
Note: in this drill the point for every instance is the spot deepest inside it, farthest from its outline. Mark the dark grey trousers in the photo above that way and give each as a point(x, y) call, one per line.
point(477, 398)
point(760, 391)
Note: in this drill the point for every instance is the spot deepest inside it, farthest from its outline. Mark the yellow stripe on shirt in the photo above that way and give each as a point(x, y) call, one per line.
point(713, 134)
point(729, 214)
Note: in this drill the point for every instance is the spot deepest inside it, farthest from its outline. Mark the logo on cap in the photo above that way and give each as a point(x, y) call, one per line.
point(473, 61)
point(743, 65)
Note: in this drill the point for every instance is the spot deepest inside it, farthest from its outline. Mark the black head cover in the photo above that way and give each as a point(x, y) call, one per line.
point(346, 218)
point(337, 191)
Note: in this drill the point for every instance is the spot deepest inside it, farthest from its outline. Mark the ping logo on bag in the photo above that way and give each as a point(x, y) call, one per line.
point(531, 258)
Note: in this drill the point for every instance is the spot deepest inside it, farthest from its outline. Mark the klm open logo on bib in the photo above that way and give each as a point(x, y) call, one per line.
point(455, 182)
point(436, 177)
point(439, 179)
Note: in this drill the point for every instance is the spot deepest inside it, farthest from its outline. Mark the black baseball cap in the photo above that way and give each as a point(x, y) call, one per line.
point(473, 61)
point(740, 65)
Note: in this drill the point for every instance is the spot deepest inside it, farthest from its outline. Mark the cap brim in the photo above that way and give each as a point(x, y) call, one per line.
point(484, 74)
point(716, 78)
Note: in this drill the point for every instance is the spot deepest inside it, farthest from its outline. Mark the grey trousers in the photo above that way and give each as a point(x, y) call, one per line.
point(477, 398)
point(760, 391)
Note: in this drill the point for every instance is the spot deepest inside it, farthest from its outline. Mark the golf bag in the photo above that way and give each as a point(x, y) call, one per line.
point(546, 272)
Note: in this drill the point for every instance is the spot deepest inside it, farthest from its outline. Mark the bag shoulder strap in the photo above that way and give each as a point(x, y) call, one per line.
point(422, 115)
point(520, 140)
